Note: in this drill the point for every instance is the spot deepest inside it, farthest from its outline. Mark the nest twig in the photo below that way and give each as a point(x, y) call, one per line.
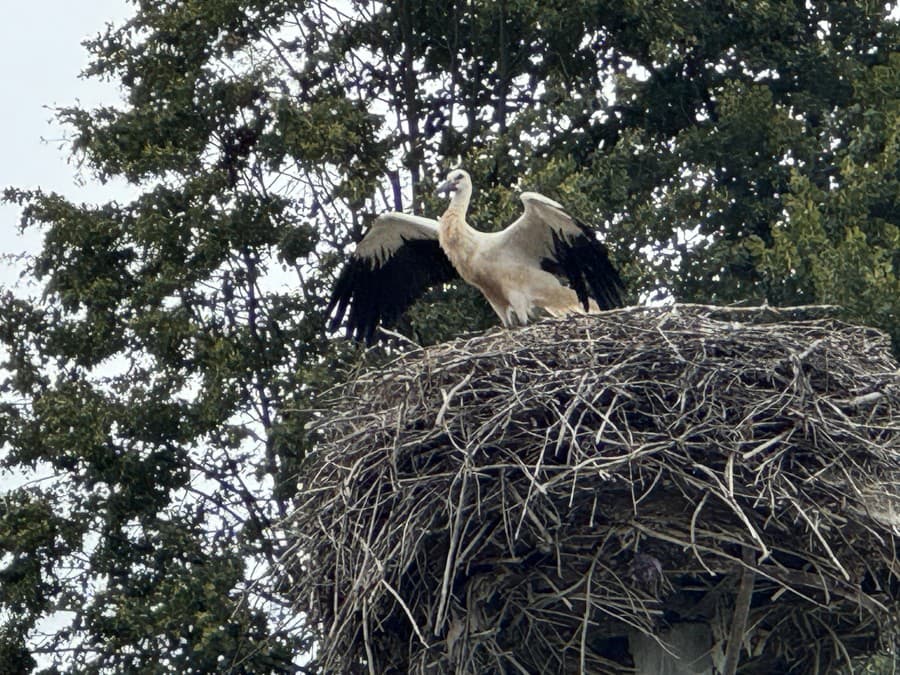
point(523, 501)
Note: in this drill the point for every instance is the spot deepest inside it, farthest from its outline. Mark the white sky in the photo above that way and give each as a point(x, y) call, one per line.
point(41, 57)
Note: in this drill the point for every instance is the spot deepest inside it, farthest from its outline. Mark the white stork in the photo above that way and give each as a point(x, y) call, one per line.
point(545, 259)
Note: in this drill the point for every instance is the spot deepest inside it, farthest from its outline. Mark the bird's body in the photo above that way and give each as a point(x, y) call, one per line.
point(513, 284)
point(545, 259)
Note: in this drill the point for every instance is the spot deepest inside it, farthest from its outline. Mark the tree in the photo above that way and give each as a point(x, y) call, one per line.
point(163, 377)
point(840, 242)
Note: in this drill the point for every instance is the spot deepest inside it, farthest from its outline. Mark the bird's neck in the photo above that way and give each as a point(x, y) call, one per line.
point(453, 222)
point(460, 202)
point(456, 236)
point(455, 215)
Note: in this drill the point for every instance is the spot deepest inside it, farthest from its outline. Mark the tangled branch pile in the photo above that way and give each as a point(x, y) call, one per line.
point(524, 501)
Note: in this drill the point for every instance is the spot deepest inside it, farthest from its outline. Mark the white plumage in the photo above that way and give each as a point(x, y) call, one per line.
point(545, 259)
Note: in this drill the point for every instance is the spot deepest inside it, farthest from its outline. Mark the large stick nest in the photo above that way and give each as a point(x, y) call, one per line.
point(526, 500)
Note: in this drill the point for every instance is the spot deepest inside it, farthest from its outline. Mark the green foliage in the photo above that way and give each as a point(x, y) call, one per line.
point(161, 382)
point(840, 242)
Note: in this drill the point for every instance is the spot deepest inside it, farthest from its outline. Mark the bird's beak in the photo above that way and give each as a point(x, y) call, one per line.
point(446, 187)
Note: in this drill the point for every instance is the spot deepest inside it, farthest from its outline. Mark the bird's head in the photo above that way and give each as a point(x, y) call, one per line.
point(456, 180)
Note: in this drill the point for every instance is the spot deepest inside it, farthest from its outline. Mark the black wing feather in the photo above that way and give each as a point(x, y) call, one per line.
point(378, 294)
point(584, 262)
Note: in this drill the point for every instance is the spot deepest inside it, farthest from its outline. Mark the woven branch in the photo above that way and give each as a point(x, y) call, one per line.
point(522, 501)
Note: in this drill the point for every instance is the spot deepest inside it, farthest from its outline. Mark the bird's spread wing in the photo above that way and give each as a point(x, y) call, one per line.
point(546, 235)
point(394, 263)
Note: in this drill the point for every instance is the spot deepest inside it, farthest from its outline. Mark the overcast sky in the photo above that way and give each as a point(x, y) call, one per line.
point(41, 58)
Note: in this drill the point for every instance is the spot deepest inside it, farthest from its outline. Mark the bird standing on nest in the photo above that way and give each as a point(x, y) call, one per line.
point(545, 259)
